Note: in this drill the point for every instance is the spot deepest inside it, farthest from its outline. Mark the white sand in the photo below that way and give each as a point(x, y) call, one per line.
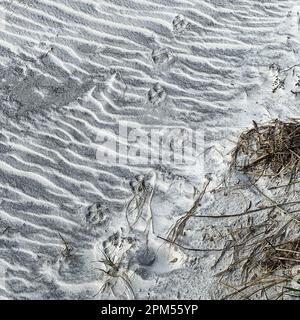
point(71, 70)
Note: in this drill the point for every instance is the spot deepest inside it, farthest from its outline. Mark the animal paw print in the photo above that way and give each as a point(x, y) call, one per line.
point(115, 267)
point(278, 83)
point(135, 208)
point(161, 56)
point(180, 24)
point(138, 184)
point(156, 94)
point(117, 244)
point(96, 214)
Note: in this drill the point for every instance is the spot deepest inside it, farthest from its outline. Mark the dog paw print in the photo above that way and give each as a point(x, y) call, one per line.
point(161, 56)
point(156, 94)
point(278, 82)
point(96, 214)
point(180, 24)
point(118, 241)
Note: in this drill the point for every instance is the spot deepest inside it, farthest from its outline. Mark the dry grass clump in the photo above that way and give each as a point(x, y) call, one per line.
point(265, 267)
point(282, 256)
point(269, 149)
point(68, 250)
point(266, 255)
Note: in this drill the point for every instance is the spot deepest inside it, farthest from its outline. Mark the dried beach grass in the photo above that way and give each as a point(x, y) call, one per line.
point(266, 254)
point(135, 206)
point(269, 149)
point(267, 267)
point(178, 229)
point(116, 274)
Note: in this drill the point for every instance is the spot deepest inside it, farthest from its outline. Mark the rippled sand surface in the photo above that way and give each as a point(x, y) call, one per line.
point(71, 69)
